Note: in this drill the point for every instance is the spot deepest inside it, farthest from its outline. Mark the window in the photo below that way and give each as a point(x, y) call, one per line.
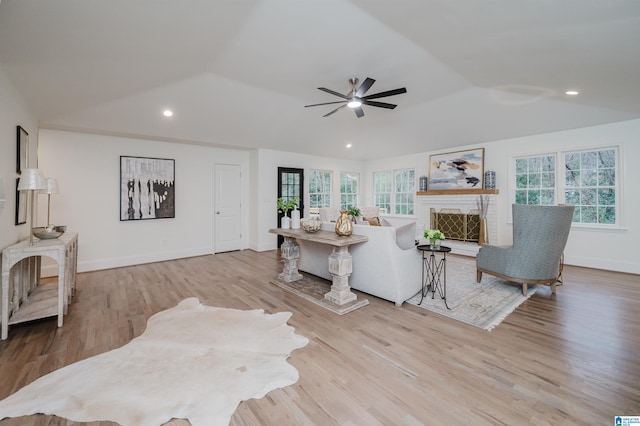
point(586, 179)
point(536, 180)
point(590, 185)
point(319, 189)
point(394, 192)
point(382, 191)
point(349, 189)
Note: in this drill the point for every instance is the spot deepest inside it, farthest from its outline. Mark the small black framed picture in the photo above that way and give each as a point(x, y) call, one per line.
point(21, 205)
point(22, 159)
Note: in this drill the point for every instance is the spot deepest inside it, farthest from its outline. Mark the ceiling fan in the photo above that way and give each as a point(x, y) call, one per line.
point(355, 98)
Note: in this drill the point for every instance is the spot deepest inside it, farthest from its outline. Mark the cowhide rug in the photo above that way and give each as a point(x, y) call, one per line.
point(192, 362)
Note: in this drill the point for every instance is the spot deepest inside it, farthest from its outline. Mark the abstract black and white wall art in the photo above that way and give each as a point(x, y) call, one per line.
point(147, 188)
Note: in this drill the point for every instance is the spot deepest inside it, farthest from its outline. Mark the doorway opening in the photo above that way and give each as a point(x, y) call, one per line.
point(290, 185)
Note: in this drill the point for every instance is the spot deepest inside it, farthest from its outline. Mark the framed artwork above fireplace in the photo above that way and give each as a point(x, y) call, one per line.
point(457, 170)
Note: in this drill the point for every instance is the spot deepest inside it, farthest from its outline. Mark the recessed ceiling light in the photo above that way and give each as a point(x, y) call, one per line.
point(571, 92)
point(167, 113)
point(349, 145)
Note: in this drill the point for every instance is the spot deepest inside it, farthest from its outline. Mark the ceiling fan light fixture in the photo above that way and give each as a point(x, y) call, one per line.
point(354, 103)
point(357, 97)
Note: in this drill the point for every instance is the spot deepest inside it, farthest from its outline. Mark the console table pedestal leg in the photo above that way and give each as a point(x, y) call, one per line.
point(340, 267)
point(290, 252)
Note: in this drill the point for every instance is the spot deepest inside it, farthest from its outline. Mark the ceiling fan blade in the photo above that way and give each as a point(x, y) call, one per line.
point(368, 82)
point(340, 107)
point(387, 93)
point(378, 104)
point(333, 92)
point(325, 103)
point(359, 112)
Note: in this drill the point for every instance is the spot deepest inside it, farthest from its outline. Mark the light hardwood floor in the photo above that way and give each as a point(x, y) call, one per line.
point(565, 359)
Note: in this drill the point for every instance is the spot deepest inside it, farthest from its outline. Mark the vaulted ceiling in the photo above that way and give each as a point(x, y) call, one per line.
point(238, 73)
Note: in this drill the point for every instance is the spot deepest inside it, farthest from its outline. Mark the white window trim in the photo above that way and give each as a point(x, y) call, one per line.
point(357, 194)
point(513, 172)
point(315, 210)
point(393, 193)
point(561, 179)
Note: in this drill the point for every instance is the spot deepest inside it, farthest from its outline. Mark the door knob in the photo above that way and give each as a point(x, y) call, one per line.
point(217, 212)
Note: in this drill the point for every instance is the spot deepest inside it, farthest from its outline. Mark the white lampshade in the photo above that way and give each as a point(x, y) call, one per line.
point(52, 187)
point(32, 179)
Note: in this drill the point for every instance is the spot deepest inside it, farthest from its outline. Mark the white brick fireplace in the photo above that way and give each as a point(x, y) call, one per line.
point(467, 203)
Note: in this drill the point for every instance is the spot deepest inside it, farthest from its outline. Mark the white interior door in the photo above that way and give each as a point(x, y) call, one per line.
point(227, 205)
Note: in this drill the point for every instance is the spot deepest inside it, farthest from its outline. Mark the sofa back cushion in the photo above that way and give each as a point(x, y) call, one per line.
point(329, 214)
point(370, 211)
point(404, 236)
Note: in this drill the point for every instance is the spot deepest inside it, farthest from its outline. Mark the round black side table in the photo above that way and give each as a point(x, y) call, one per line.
point(434, 272)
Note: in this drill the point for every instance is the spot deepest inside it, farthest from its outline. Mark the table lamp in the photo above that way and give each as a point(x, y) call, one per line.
point(52, 188)
point(31, 180)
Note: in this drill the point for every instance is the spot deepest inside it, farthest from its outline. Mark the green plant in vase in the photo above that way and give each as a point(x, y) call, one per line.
point(434, 236)
point(284, 205)
point(354, 212)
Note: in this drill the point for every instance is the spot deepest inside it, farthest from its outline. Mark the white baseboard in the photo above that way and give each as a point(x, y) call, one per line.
point(50, 270)
point(603, 263)
point(263, 247)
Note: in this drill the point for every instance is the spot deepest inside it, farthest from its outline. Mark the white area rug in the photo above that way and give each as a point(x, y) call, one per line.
point(485, 304)
point(192, 362)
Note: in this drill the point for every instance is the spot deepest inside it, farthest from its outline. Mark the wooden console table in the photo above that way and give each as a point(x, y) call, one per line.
point(341, 299)
point(24, 298)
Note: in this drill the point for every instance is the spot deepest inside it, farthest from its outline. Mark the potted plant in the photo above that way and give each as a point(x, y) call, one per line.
point(434, 236)
point(284, 206)
point(354, 212)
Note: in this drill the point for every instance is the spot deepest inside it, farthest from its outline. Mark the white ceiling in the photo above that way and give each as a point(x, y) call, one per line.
point(238, 73)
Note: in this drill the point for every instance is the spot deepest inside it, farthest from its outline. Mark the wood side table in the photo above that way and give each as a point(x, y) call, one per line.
point(24, 298)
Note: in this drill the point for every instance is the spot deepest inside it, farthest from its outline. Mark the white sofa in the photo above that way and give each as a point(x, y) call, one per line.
point(380, 267)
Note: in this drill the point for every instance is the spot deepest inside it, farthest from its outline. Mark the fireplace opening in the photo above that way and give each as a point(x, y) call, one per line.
point(455, 224)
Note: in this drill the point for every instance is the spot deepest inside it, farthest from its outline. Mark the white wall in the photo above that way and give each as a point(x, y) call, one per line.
point(87, 168)
point(612, 249)
point(267, 163)
point(13, 112)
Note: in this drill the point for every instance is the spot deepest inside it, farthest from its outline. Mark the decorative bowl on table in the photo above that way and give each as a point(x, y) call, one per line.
point(49, 232)
point(311, 225)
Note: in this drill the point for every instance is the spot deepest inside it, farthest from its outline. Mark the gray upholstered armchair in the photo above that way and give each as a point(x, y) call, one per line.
point(539, 236)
